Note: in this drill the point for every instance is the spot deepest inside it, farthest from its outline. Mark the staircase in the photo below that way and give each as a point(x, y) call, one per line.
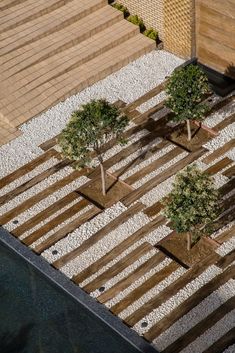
point(52, 49)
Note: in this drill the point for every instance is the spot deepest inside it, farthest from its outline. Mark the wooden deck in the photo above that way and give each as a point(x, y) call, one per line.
point(44, 221)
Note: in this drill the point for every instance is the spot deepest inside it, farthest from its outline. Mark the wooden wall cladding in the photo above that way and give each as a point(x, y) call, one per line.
point(215, 34)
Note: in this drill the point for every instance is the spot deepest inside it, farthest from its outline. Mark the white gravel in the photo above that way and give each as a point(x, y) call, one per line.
point(230, 349)
point(226, 247)
point(178, 298)
point(194, 316)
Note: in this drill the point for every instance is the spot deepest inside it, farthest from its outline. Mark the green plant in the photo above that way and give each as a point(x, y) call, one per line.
point(136, 20)
point(151, 33)
point(121, 8)
point(186, 89)
point(88, 129)
point(193, 203)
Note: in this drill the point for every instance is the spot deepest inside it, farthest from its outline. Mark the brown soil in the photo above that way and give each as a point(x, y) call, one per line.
point(176, 246)
point(199, 137)
point(115, 191)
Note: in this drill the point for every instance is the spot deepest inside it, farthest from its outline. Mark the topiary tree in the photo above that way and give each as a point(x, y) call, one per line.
point(193, 203)
point(88, 129)
point(185, 89)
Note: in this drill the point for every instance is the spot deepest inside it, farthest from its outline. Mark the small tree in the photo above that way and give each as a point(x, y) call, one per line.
point(193, 203)
point(186, 89)
point(88, 129)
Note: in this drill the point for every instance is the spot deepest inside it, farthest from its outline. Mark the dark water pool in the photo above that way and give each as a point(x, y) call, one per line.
point(36, 316)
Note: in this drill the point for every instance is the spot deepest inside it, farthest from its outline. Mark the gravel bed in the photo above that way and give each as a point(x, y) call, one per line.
point(150, 294)
point(220, 115)
point(224, 136)
point(223, 229)
point(212, 335)
point(194, 316)
point(230, 349)
point(226, 247)
point(138, 283)
point(43, 204)
point(125, 272)
point(179, 298)
point(151, 102)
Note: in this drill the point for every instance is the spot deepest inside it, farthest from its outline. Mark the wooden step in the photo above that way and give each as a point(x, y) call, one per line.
point(217, 167)
point(230, 172)
point(226, 235)
point(189, 304)
point(204, 325)
point(171, 290)
point(68, 228)
point(62, 217)
point(116, 251)
point(226, 260)
point(219, 152)
point(118, 267)
point(138, 193)
point(28, 167)
point(150, 264)
point(226, 122)
point(144, 288)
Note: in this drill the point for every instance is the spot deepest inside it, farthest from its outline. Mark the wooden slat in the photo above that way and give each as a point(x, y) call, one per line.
point(223, 343)
point(226, 260)
point(45, 146)
point(116, 251)
point(68, 228)
point(154, 165)
point(27, 168)
point(150, 264)
point(122, 218)
point(153, 210)
point(150, 94)
point(204, 325)
point(223, 163)
point(226, 188)
point(144, 288)
point(230, 172)
point(219, 152)
point(41, 216)
point(136, 194)
point(118, 267)
point(171, 290)
point(62, 217)
point(40, 196)
point(145, 116)
point(226, 235)
point(189, 304)
point(32, 182)
point(226, 122)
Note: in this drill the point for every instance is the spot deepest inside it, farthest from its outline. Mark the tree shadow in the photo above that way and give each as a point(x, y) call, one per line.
point(16, 342)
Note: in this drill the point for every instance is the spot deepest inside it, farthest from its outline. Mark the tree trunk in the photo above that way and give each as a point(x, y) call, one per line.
point(189, 241)
point(103, 178)
point(189, 130)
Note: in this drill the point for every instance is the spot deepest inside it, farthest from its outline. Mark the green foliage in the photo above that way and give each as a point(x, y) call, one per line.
point(121, 8)
point(136, 20)
point(193, 202)
point(151, 33)
point(185, 89)
point(89, 128)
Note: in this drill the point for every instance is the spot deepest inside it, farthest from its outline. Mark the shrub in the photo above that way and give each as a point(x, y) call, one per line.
point(88, 129)
point(151, 33)
point(186, 89)
point(136, 20)
point(122, 8)
point(193, 203)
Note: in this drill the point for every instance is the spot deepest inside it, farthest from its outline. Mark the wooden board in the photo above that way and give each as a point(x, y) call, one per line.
point(171, 290)
point(226, 235)
point(226, 122)
point(154, 165)
point(219, 152)
point(189, 304)
point(40, 196)
point(204, 325)
point(217, 167)
point(150, 264)
point(230, 172)
point(32, 182)
point(43, 215)
point(68, 228)
point(118, 267)
point(138, 193)
point(122, 218)
point(116, 251)
point(144, 288)
point(62, 217)
point(45, 146)
point(226, 260)
point(28, 167)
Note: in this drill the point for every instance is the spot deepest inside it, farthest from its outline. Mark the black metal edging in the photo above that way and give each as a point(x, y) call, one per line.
point(71, 289)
